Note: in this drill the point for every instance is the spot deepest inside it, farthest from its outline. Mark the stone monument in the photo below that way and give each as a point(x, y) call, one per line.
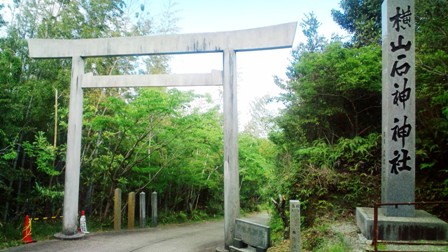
point(398, 122)
point(401, 221)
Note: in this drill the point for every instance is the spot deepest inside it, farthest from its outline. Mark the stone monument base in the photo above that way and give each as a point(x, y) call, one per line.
point(423, 226)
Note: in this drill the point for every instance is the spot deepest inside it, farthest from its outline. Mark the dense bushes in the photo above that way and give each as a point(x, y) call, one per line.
point(329, 178)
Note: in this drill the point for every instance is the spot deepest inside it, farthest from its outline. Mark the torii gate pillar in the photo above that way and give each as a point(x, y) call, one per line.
point(231, 169)
point(73, 160)
point(228, 43)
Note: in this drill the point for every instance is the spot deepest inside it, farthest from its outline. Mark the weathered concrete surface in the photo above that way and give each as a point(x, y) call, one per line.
point(271, 37)
point(142, 211)
point(231, 168)
point(253, 234)
point(205, 236)
point(153, 80)
point(423, 226)
point(294, 227)
point(73, 160)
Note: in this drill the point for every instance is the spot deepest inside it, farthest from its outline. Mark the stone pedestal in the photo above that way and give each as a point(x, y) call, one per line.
point(423, 226)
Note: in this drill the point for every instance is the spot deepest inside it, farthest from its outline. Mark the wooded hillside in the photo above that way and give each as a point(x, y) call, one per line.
point(330, 138)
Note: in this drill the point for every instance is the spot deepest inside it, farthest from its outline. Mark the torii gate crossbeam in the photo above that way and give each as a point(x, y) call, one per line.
point(228, 43)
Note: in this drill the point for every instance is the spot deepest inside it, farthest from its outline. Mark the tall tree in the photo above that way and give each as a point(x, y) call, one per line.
point(362, 18)
point(315, 42)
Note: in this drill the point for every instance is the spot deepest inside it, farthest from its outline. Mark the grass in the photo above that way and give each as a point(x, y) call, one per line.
point(11, 233)
point(320, 237)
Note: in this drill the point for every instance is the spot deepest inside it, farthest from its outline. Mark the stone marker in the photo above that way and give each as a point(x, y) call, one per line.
point(142, 217)
point(399, 222)
point(294, 225)
point(398, 116)
point(131, 210)
point(117, 209)
point(154, 209)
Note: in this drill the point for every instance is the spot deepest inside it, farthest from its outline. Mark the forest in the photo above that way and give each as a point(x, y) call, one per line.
point(323, 148)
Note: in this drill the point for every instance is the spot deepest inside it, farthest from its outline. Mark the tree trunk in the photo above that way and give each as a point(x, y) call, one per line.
point(109, 199)
point(281, 210)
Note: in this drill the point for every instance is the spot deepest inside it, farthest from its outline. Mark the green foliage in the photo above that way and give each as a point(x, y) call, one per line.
point(136, 145)
point(54, 193)
point(10, 235)
point(362, 18)
point(332, 94)
point(323, 238)
point(277, 228)
point(432, 101)
point(27, 117)
point(256, 158)
point(329, 156)
point(314, 42)
point(43, 152)
point(173, 217)
point(314, 238)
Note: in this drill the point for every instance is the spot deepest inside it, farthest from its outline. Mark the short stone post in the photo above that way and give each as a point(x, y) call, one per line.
point(294, 226)
point(117, 209)
point(142, 198)
point(131, 210)
point(154, 209)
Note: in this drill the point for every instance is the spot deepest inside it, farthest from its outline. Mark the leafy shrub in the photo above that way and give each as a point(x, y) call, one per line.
point(331, 178)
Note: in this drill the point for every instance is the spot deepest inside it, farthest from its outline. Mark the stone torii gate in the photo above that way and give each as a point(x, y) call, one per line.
point(227, 43)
